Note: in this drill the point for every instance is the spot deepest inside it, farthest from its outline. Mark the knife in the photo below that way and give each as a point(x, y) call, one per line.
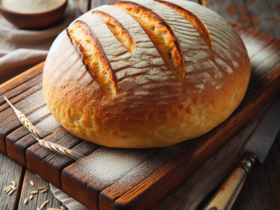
point(256, 149)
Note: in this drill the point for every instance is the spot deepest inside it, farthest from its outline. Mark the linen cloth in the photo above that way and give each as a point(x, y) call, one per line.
point(21, 49)
point(195, 188)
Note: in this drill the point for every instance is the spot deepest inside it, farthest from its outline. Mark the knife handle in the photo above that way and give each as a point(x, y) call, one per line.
point(228, 192)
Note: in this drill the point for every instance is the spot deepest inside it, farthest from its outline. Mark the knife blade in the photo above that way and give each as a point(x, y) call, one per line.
point(256, 148)
point(265, 132)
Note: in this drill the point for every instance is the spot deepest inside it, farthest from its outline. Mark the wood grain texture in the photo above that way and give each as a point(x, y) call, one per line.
point(19, 140)
point(20, 89)
point(49, 164)
point(10, 171)
point(38, 199)
point(22, 78)
point(8, 119)
point(262, 15)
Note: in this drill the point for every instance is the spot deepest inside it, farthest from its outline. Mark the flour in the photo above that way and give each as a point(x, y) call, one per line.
point(43, 111)
point(47, 125)
point(107, 165)
point(31, 6)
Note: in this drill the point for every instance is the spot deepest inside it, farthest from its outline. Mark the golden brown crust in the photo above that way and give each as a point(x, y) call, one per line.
point(160, 33)
point(118, 30)
point(93, 56)
point(193, 19)
point(152, 108)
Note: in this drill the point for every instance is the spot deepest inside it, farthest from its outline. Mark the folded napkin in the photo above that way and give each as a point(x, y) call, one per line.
point(22, 49)
point(195, 188)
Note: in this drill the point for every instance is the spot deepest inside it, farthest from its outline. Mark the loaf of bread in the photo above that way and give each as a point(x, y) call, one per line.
point(145, 73)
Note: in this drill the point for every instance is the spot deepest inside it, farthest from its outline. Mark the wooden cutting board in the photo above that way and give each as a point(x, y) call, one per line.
point(126, 178)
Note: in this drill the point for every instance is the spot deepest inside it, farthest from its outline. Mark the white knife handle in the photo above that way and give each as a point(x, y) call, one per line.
point(228, 192)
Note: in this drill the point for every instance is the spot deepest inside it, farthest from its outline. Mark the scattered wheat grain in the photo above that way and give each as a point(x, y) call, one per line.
point(25, 201)
point(14, 183)
point(32, 183)
point(38, 176)
point(43, 191)
point(33, 192)
point(11, 192)
point(62, 208)
point(44, 204)
point(42, 188)
point(7, 189)
point(31, 197)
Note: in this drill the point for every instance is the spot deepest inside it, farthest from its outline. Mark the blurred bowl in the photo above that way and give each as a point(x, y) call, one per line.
point(34, 20)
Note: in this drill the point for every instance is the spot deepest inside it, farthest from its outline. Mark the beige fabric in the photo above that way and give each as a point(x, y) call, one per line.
point(194, 189)
point(21, 49)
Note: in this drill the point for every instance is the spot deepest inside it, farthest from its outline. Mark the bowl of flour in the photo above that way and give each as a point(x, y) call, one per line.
point(32, 14)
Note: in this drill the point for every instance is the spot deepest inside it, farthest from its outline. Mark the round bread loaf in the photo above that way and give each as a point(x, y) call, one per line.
point(143, 73)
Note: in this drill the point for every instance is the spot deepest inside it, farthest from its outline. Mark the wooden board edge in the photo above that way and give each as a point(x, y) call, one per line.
point(26, 73)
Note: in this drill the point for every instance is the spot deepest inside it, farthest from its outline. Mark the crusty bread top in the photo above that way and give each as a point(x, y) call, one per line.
point(145, 73)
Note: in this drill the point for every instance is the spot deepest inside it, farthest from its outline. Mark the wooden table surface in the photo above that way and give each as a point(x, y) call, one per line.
point(262, 188)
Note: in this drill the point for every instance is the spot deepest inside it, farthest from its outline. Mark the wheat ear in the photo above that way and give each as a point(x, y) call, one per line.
point(42, 142)
point(60, 149)
point(25, 121)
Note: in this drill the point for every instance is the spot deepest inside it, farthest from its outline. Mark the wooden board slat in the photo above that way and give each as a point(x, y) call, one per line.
point(22, 78)
point(264, 21)
point(49, 164)
point(262, 15)
point(143, 171)
point(79, 175)
point(154, 169)
point(262, 61)
point(17, 142)
point(22, 95)
point(10, 171)
point(8, 119)
point(21, 88)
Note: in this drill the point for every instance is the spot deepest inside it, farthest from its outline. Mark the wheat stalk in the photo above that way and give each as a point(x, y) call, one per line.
point(42, 142)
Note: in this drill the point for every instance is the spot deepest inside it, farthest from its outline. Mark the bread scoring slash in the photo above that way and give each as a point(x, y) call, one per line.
point(145, 73)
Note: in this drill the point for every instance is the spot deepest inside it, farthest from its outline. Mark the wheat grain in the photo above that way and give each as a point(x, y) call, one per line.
point(37, 208)
point(33, 192)
point(42, 188)
point(44, 204)
point(45, 190)
point(11, 192)
point(25, 201)
point(14, 183)
point(38, 176)
point(62, 208)
point(7, 188)
point(32, 183)
point(10, 189)
point(31, 197)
